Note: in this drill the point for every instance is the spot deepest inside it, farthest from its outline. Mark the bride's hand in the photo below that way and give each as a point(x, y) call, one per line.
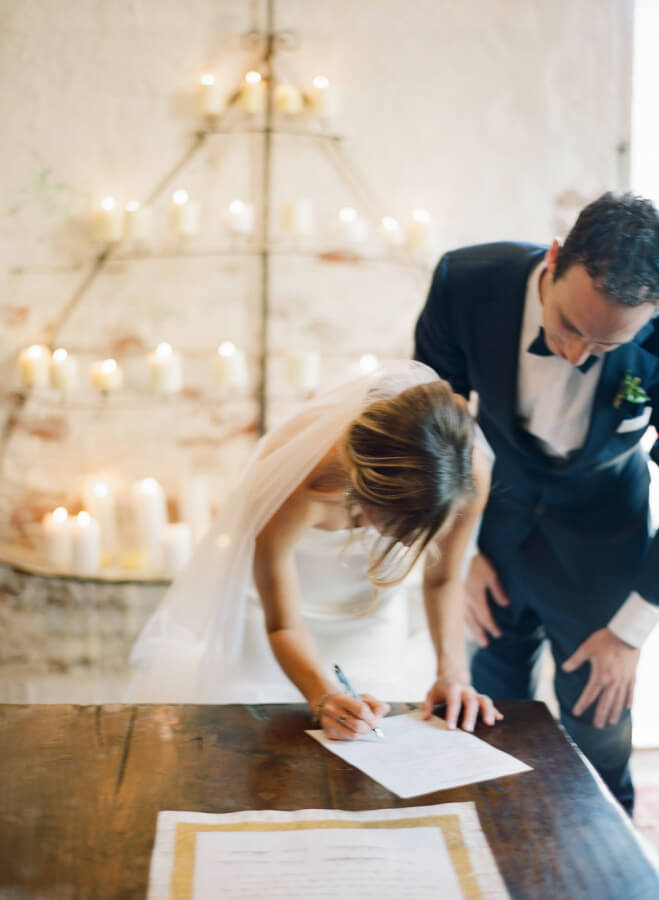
point(460, 696)
point(344, 718)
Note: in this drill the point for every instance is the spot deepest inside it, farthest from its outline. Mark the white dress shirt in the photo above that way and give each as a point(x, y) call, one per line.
point(555, 401)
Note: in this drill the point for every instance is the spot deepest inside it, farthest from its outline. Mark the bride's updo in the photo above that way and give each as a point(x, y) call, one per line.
point(409, 463)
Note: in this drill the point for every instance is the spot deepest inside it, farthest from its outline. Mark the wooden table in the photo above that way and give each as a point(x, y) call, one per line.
point(81, 787)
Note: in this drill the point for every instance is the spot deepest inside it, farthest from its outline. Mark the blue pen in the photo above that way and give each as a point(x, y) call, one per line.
point(349, 688)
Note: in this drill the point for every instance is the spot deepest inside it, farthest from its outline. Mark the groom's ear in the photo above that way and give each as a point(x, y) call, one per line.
point(552, 255)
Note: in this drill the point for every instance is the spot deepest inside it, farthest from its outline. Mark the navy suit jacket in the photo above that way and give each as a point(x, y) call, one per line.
point(593, 506)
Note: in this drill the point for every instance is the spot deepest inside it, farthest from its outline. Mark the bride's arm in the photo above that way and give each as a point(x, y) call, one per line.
point(443, 594)
point(276, 579)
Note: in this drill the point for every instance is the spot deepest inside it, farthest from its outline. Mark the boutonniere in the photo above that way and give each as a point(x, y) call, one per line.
point(630, 390)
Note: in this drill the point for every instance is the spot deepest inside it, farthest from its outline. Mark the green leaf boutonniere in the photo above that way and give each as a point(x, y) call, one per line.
point(630, 390)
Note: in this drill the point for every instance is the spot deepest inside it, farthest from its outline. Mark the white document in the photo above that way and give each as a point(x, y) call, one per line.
point(385, 854)
point(324, 862)
point(417, 757)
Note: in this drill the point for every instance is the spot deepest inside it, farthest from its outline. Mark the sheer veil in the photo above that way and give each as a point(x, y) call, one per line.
point(194, 639)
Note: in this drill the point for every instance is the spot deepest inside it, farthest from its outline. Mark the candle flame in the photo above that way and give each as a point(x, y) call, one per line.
point(348, 214)
point(83, 519)
point(236, 206)
point(35, 351)
point(180, 197)
point(390, 224)
point(368, 362)
point(60, 354)
point(164, 349)
point(208, 79)
point(108, 366)
point(320, 81)
point(226, 349)
point(421, 215)
point(253, 77)
point(148, 485)
point(108, 203)
point(60, 514)
point(132, 206)
point(100, 489)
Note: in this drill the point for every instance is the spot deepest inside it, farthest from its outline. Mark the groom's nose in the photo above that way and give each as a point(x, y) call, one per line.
point(576, 351)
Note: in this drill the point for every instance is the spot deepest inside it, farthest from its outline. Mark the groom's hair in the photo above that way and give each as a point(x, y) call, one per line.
point(616, 238)
point(409, 460)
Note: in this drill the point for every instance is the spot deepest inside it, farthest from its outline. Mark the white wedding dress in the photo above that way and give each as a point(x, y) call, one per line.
point(207, 641)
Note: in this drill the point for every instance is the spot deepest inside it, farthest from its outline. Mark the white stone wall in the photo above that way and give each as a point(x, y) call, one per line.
point(501, 117)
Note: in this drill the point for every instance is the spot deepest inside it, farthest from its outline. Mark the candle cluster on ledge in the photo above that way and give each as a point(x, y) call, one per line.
point(41, 368)
point(89, 542)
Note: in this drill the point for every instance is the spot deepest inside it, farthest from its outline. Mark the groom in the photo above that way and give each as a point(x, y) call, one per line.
point(562, 347)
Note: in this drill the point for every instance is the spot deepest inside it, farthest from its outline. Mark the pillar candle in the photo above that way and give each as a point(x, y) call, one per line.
point(34, 364)
point(194, 503)
point(106, 375)
point(63, 370)
point(418, 230)
point(137, 221)
point(253, 93)
point(391, 231)
point(108, 221)
point(352, 227)
point(240, 217)
point(303, 370)
point(324, 98)
point(99, 502)
point(175, 548)
point(183, 214)
point(209, 97)
point(56, 539)
point(166, 367)
point(288, 99)
point(229, 366)
point(86, 545)
point(297, 217)
point(150, 516)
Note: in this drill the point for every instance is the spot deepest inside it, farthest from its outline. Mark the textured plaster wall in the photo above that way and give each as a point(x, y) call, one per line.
point(502, 117)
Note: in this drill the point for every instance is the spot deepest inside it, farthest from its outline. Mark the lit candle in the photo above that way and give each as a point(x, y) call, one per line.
point(34, 364)
point(391, 231)
point(63, 370)
point(86, 545)
point(240, 217)
point(288, 99)
point(137, 221)
point(418, 230)
point(324, 98)
point(175, 548)
point(56, 539)
point(229, 366)
point(303, 370)
point(352, 227)
point(166, 368)
point(297, 217)
point(253, 93)
point(106, 375)
point(150, 517)
point(108, 221)
point(99, 501)
point(368, 363)
point(194, 504)
point(183, 214)
point(210, 98)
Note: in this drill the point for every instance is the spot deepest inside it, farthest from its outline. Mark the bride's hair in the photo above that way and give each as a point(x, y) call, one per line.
point(408, 458)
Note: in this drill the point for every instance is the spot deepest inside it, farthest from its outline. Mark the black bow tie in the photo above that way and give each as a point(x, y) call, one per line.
point(538, 347)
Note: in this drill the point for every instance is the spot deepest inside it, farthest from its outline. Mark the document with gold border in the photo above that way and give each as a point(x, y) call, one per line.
point(203, 855)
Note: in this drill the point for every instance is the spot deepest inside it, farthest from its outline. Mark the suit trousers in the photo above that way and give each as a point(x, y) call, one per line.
point(547, 604)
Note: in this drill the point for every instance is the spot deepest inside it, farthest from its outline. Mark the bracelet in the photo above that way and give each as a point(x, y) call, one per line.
point(320, 706)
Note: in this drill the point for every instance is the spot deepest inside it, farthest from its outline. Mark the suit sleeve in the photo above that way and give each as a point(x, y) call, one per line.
point(436, 339)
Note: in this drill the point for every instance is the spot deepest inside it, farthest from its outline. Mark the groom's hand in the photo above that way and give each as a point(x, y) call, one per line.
point(612, 676)
point(481, 578)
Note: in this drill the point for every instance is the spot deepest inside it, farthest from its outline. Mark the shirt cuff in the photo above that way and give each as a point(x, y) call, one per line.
point(634, 620)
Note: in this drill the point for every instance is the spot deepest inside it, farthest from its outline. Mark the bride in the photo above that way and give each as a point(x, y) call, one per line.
point(303, 567)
